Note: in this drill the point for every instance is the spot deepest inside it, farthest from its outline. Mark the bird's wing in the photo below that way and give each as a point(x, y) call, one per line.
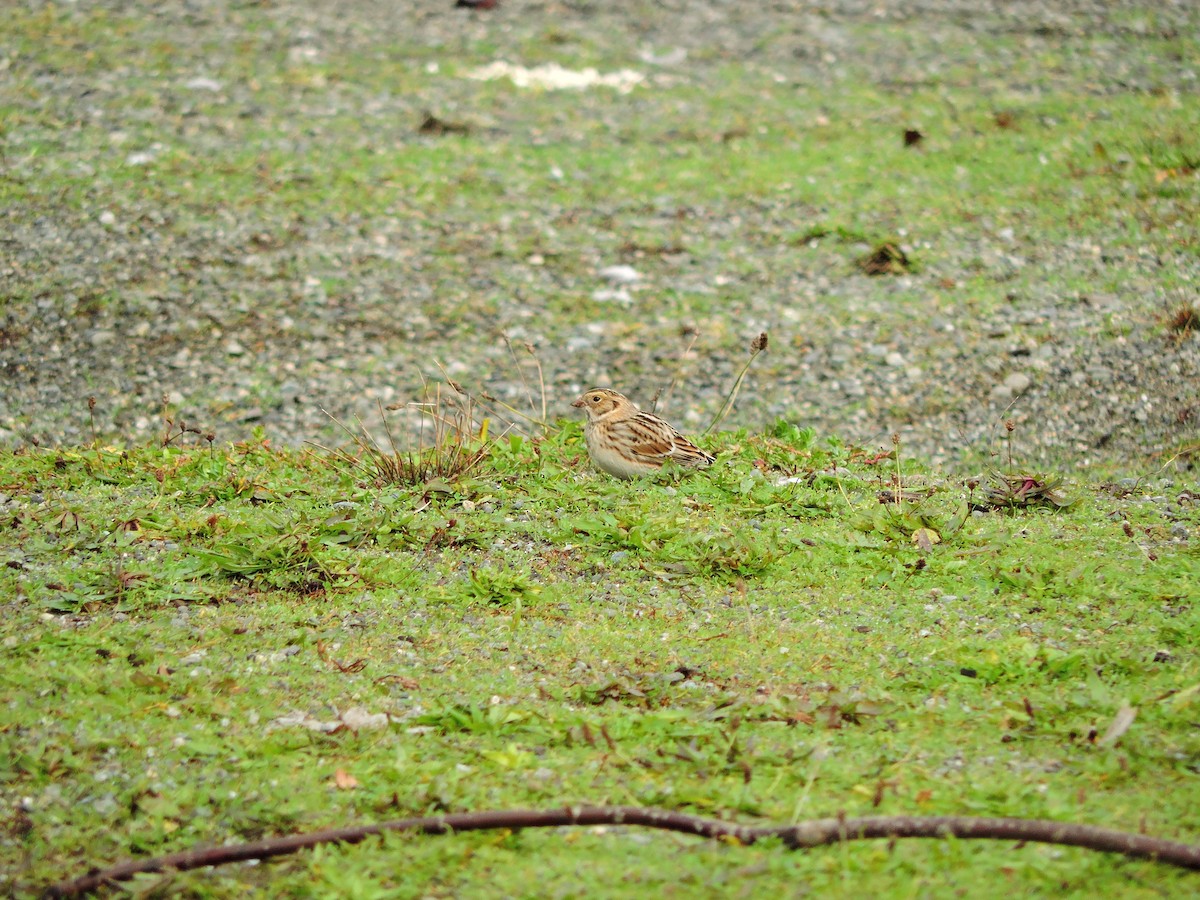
point(654, 441)
point(688, 453)
point(650, 439)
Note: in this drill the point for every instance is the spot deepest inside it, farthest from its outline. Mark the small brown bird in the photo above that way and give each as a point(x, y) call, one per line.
point(625, 441)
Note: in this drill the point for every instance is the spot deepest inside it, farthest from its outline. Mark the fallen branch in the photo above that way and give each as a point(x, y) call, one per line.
point(814, 833)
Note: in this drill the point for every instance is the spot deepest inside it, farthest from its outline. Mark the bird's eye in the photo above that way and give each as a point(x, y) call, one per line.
point(595, 398)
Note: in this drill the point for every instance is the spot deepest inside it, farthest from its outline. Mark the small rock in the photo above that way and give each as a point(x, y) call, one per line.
point(620, 274)
point(202, 84)
point(106, 805)
point(1017, 382)
point(139, 158)
point(358, 718)
point(852, 387)
point(840, 354)
point(612, 295)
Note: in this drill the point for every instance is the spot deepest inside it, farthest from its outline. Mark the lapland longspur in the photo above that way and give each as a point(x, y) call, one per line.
point(625, 441)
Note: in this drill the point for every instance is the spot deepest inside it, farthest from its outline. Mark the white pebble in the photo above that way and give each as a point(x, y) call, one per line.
point(620, 274)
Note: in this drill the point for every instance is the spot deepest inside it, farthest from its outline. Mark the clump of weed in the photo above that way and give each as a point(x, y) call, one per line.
point(298, 556)
point(886, 259)
point(172, 430)
point(432, 125)
point(789, 450)
point(910, 513)
point(1015, 489)
point(1005, 119)
point(500, 586)
point(1183, 321)
point(451, 434)
point(730, 555)
point(450, 440)
point(840, 233)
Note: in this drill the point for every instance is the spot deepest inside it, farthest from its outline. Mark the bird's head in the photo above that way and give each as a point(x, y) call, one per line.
point(600, 401)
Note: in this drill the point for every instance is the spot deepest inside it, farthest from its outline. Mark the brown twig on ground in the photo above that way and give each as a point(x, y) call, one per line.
point(813, 833)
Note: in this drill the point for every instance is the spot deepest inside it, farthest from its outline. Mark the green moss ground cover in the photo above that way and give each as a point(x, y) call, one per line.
point(764, 640)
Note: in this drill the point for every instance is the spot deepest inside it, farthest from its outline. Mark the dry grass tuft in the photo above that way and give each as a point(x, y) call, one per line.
point(450, 440)
point(886, 259)
point(1185, 320)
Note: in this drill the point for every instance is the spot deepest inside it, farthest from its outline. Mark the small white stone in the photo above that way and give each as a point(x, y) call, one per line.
point(611, 295)
point(202, 84)
point(620, 274)
point(1017, 382)
point(358, 718)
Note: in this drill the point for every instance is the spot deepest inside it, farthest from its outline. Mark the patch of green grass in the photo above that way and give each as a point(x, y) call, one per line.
point(765, 639)
point(751, 641)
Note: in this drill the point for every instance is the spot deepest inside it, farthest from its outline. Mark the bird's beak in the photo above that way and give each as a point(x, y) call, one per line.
point(578, 404)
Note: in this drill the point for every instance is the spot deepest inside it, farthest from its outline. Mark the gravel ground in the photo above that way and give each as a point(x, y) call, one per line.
point(230, 317)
